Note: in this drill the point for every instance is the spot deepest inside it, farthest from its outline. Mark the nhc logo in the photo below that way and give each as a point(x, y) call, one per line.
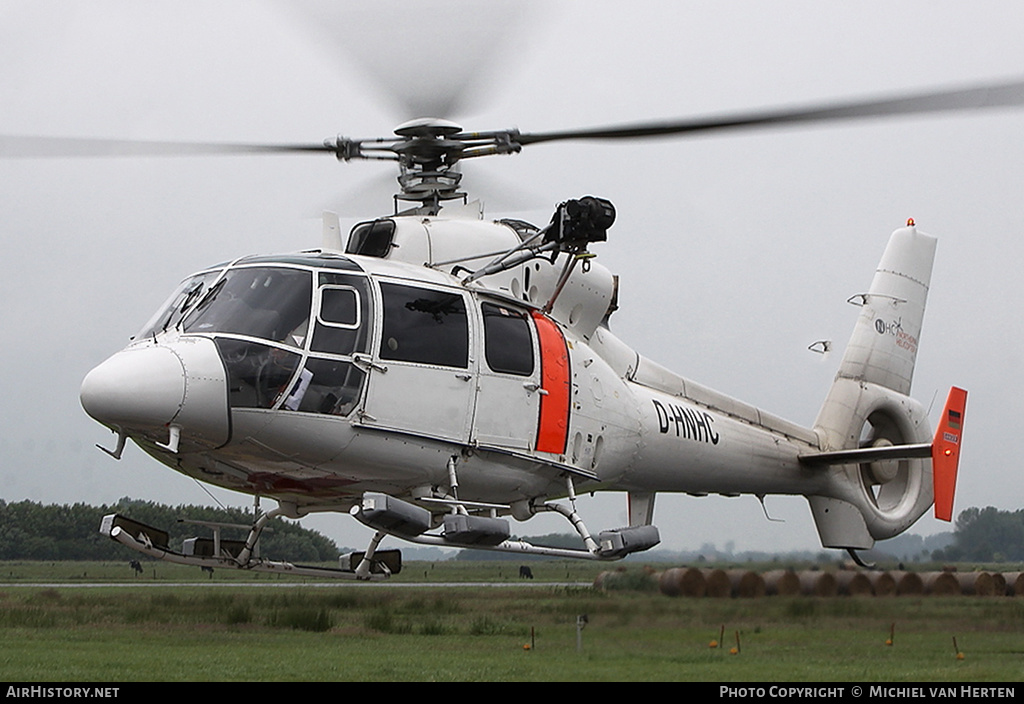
point(892, 328)
point(895, 328)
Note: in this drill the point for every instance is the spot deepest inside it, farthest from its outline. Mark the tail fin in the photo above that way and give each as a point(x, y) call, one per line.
point(868, 405)
point(883, 347)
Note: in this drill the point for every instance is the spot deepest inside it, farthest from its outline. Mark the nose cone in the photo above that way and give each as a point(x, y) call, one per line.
point(138, 387)
point(144, 388)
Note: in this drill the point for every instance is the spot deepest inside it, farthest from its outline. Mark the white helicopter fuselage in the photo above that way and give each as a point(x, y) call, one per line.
point(411, 414)
point(320, 377)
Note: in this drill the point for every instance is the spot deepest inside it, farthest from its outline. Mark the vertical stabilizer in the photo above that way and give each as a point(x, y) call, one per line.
point(883, 347)
point(868, 405)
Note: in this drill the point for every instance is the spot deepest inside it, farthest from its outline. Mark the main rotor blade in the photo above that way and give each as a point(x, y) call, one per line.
point(431, 58)
point(32, 147)
point(974, 98)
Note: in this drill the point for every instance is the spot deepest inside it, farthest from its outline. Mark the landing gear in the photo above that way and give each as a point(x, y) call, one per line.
point(217, 551)
point(467, 524)
point(462, 527)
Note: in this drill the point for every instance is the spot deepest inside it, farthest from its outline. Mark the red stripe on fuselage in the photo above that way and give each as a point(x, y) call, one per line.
point(553, 428)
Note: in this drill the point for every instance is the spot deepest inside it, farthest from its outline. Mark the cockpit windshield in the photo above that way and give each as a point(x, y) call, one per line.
point(266, 302)
point(261, 319)
point(188, 293)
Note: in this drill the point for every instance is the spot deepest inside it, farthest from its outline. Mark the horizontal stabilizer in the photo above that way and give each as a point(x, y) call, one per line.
point(869, 454)
point(946, 452)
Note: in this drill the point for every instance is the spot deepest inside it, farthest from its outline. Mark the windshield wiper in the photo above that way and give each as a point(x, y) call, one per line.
point(183, 307)
point(211, 293)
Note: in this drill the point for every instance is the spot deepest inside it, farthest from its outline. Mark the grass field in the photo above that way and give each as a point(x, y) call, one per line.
point(20, 572)
point(359, 632)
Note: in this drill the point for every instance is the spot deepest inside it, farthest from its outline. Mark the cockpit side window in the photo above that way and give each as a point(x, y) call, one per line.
point(326, 384)
point(339, 306)
point(342, 325)
point(508, 346)
point(424, 325)
point(257, 374)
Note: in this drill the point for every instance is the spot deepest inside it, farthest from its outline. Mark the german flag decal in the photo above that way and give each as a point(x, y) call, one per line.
point(553, 427)
point(953, 419)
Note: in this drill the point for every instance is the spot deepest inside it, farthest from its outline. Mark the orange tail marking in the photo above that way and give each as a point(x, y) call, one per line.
point(946, 452)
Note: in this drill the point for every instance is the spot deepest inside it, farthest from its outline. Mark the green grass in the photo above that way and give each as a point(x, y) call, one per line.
point(20, 572)
point(355, 632)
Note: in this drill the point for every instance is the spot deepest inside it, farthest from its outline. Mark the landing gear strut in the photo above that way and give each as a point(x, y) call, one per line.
point(461, 528)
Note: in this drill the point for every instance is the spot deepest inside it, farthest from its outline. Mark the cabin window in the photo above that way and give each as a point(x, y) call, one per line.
point(371, 239)
point(508, 346)
point(425, 326)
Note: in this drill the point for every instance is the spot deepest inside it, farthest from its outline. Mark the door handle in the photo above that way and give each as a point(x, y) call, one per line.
point(366, 364)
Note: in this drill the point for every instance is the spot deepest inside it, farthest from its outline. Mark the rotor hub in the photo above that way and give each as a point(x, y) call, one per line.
point(428, 127)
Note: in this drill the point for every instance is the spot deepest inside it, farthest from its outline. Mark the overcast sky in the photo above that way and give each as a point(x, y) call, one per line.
point(735, 251)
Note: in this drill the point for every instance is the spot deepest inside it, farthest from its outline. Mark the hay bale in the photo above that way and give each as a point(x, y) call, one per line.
point(745, 584)
point(883, 583)
point(781, 583)
point(976, 583)
point(814, 583)
point(682, 581)
point(999, 585)
point(665, 583)
point(854, 583)
point(908, 583)
point(603, 579)
point(716, 583)
point(941, 584)
point(1014, 583)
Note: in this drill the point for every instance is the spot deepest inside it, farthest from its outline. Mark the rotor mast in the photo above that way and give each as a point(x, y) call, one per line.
point(427, 150)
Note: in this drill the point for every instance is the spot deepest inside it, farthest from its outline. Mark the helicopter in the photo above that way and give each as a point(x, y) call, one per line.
point(437, 373)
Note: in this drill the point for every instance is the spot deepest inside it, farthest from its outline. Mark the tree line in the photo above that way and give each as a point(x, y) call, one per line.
point(986, 535)
point(34, 531)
